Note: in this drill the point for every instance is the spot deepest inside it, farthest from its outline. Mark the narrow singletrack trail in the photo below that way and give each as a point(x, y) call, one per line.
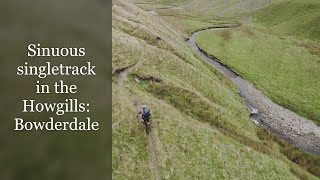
point(121, 75)
point(152, 152)
point(154, 157)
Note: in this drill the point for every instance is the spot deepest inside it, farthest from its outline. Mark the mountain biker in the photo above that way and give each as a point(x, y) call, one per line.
point(145, 112)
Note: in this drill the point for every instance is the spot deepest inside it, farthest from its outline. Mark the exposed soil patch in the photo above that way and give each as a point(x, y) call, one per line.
point(153, 12)
point(122, 75)
point(149, 78)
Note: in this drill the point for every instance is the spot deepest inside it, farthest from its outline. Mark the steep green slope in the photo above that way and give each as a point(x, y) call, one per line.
point(200, 127)
point(295, 17)
point(223, 8)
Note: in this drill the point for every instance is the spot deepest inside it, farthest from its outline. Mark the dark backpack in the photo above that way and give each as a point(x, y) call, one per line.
point(145, 113)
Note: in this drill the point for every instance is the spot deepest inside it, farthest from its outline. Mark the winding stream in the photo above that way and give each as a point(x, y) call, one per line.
point(290, 126)
point(234, 77)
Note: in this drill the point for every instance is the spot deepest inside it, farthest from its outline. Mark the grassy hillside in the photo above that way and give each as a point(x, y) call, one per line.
point(225, 8)
point(222, 8)
point(188, 22)
point(294, 17)
point(200, 126)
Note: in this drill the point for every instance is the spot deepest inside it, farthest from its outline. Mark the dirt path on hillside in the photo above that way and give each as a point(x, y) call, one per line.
point(154, 11)
point(154, 157)
point(121, 75)
point(293, 128)
point(152, 152)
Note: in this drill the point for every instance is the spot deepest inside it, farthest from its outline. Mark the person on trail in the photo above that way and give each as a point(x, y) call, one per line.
point(145, 114)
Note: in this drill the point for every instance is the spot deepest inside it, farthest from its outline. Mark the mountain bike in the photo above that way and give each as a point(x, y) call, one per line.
point(147, 126)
